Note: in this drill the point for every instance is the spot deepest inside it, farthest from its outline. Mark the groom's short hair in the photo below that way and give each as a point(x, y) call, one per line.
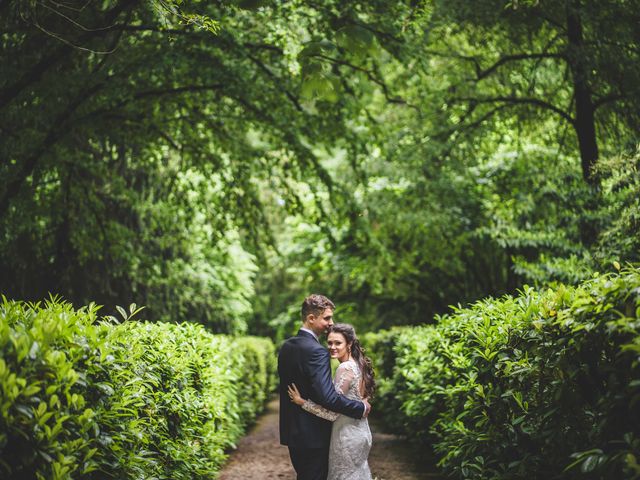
point(316, 304)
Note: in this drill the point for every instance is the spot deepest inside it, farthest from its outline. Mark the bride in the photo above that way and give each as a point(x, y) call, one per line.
point(350, 438)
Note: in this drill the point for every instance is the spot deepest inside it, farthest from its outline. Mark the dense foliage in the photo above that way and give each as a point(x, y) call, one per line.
point(87, 397)
point(542, 385)
point(399, 156)
point(501, 150)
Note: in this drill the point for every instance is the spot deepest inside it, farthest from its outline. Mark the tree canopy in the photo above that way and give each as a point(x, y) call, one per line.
point(217, 161)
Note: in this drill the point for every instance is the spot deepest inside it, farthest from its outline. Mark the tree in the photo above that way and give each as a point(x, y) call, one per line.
point(171, 153)
point(476, 187)
point(109, 111)
point(573, 60)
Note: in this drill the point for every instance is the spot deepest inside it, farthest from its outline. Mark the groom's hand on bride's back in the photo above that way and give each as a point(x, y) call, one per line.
point(367, 408)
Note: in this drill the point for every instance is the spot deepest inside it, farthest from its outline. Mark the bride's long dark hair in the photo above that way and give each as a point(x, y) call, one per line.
point(357, 352)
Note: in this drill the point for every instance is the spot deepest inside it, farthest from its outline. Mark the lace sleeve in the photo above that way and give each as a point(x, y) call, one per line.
point(319, 411)
point(345, 375)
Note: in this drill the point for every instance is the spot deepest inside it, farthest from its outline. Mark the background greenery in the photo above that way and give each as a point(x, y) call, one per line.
point(217, 161)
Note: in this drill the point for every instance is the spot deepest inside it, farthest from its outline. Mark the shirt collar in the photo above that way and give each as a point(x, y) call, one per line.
point(311, 332)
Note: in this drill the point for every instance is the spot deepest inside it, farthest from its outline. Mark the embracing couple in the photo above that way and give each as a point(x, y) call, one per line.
point(324, 422)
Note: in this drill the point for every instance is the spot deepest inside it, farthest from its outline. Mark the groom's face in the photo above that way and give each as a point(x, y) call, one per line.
point(322, 322)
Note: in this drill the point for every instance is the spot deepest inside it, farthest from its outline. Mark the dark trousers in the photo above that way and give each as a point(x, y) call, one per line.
point(310, 463)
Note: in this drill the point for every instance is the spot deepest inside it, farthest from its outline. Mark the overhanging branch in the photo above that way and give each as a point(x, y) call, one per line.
point(371, 76)
point(518, 101)
point(513, 58)
point(608, 99)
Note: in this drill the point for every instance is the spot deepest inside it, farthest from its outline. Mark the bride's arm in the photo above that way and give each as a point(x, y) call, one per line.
point(310, 406)
point(344, 377)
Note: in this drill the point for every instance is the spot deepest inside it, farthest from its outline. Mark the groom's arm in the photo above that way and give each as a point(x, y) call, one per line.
point(323, 391)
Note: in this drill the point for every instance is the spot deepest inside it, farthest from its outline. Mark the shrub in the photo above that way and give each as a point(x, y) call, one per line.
point(259, 375)
point(543, 385)
point(85, 397)
point(382, 347)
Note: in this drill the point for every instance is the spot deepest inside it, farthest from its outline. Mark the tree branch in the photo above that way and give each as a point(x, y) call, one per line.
point(516, 100)
point(178, 90)
point(151, 28)
point(460, 126)
point(371, 76)
point(57, 131)
point(152, 93)
point(49, 60)
point(608, 99)
point(513, 58)
point(279, 81)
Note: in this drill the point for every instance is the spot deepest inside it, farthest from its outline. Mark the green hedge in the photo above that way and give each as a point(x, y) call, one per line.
point(83, 397)
point(544, 385)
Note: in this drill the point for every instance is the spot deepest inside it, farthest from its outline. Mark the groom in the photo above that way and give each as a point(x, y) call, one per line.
point(303, 361)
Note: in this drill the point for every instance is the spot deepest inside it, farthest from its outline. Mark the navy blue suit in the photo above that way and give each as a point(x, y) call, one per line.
point(303, 361)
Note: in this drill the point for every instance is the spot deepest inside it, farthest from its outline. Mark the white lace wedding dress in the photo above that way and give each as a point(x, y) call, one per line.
point(350, 437)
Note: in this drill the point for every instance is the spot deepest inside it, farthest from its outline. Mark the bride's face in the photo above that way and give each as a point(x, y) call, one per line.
point(338, 347)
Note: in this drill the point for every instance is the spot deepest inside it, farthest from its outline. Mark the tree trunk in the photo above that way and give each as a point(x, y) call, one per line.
point(585, 118)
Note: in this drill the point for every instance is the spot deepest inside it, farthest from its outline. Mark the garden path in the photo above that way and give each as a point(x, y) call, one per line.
point(260, 456)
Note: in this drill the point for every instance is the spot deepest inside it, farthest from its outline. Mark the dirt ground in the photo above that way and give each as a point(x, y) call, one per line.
point(260, 456)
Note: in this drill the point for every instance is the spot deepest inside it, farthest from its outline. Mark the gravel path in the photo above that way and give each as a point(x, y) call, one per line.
point(260, 456)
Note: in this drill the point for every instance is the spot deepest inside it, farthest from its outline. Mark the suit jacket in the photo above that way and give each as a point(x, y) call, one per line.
point(303, 361)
